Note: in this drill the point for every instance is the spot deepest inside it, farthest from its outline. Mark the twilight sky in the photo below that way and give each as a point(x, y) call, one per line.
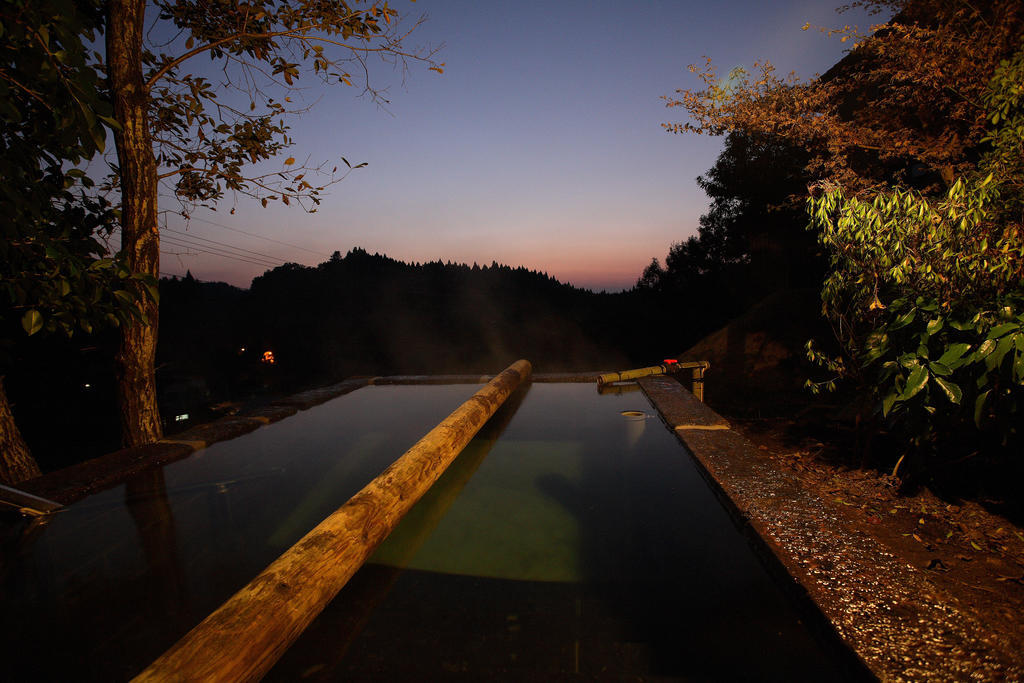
point(539, 146)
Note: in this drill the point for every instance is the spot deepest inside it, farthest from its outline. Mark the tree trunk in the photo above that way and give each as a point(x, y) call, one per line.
point(140, 237)
point(16, 462)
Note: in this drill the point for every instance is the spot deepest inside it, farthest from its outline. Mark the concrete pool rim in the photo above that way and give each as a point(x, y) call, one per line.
point(896, 621)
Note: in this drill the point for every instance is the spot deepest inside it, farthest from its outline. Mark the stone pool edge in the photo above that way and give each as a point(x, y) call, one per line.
point(75, 482)
point(888, 613)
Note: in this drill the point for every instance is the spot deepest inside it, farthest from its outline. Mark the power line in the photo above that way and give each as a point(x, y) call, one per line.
point(165, 273)
point(259, 237)
point(210, 247)
point(215, 251)
point(221, 244)
point(196, 251)
point(190, 242)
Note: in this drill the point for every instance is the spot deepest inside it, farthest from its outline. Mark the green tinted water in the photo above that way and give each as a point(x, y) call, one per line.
point(566, 538)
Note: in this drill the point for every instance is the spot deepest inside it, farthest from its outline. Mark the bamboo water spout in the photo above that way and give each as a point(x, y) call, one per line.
point(698, 367)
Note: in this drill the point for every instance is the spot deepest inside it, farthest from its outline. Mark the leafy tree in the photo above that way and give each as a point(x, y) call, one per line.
point(905, 106)
point(914, 143)
point(652, 278)
point(52, 276)
point(752, 232)
point(202, 137)
point(927, 293)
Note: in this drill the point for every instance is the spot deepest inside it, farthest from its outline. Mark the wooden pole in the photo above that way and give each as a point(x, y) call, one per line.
point(243, 639)
point(698, 381)
point(626, 375)
point(338, 625)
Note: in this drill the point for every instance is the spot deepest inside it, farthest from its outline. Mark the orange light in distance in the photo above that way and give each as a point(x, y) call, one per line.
point(268, 357)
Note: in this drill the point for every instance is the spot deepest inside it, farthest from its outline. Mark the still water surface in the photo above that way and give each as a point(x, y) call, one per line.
point(567, 538)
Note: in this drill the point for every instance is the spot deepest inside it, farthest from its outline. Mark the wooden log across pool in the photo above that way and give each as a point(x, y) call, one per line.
point(243, 638)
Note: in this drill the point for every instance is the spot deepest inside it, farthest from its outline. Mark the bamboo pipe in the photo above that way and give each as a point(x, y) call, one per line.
point(243, 638)
point(625, 375)
point(698, 367)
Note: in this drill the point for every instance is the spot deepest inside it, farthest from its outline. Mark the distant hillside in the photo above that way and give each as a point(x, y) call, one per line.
point(358, 314)
point(367, 313)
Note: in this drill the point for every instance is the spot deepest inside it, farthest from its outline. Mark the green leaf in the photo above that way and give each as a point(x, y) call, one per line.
point(994, 359)
point(987, 347)
point(979, 406)
point(934, 326)
point(950, 390)
point(32, 321)
point(909, 360)
point(954, 352)
point(153, 291)
point(941, 369)
point(1000, 330)
point(888, 402)
point(918, 378)
point(124, 296)
point(904, 319)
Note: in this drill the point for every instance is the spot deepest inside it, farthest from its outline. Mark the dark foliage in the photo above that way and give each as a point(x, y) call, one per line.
point(358, 314)
point(366, 313)
point(752, 241)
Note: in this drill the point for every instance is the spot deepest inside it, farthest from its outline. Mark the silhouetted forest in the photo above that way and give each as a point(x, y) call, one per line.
point(367, 314)
point(357, 314)
point(752, 241)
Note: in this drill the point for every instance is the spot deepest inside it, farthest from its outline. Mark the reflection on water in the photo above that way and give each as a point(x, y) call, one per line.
point(568, 537)
point(112, 581)
point(146, 498)
point(584, 543)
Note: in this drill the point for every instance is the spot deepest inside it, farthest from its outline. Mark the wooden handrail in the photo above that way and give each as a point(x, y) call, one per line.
point(243, 639)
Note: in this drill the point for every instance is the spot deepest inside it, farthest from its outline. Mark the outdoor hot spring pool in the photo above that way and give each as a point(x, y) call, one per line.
point(568, 538)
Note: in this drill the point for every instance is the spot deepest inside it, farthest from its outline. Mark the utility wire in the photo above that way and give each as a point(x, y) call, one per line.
point(198, 243)
point(210, 247)
point(259, 237)
point(220, 244)
point(215, 251)
point(184, 239)
point(196, 251)
point(166, 273)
